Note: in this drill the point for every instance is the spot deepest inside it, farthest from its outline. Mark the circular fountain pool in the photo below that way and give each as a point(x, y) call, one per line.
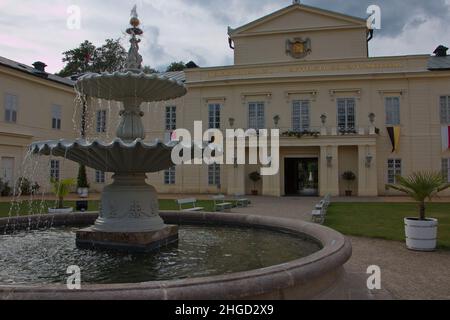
point(42, 257)
point(220, 256)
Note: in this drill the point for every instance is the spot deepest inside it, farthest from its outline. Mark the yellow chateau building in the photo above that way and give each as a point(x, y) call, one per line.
point(303, 70)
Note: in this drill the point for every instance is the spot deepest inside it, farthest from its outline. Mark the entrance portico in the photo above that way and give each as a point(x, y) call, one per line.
point(333, 156)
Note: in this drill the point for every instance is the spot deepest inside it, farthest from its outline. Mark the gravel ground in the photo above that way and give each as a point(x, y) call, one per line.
point(405, 274)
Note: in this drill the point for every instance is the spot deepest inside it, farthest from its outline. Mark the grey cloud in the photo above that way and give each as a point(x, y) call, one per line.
point(153, 49)
point(395, 14)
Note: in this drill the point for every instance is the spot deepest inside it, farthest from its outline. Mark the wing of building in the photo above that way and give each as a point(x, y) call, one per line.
point(302, 70)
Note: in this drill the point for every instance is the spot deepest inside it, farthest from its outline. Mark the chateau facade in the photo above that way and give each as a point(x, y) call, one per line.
point(302, 70)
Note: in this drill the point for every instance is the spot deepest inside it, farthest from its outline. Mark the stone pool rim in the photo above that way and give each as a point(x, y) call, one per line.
point(305, 278)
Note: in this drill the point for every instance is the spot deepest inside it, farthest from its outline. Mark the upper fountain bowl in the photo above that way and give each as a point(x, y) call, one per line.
point(121, 86)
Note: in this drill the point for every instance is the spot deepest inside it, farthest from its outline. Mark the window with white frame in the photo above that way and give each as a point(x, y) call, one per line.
point(214, 175)
point(56, 117)
point(256, 115)
point(445, 110)
point(346, 113)
point(214, 115)
point(54, 170)
point(392, 105)
point(301, 115)
point(100, 177)
point(394, 170)
point(171, 118)
point(101, 121)
point(11, 102)
point(170, 176)
point(446, 169)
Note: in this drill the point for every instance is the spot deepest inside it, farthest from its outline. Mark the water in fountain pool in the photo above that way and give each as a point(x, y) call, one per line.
point(42, 257)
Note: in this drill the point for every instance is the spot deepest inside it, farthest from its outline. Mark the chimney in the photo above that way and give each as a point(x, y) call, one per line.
point(40, 66)
point(441, 51)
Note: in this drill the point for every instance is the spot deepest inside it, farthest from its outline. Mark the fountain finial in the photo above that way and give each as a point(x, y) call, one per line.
point(134, 59)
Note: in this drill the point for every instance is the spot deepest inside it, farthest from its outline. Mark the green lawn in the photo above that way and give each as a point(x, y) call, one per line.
point(27, 207)
point(385, 220)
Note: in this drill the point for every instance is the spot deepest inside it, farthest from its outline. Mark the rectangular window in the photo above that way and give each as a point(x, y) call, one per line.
point(346, 114)
point(170, 176)
point(445, 110)
point(446, 169)
point(214, 116)
point(101, 121)
point(100, 177)
point(394, 170)
point(214, 175)
point(56, 117)
point(392, 105)
point(171, 118)
point(256, 115)
point(11, 108)
point(54, 169)
point(301, 116)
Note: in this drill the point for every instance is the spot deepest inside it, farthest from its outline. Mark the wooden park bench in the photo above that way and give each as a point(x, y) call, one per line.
point(240, 200)
point(191, 203)
point(220, 204)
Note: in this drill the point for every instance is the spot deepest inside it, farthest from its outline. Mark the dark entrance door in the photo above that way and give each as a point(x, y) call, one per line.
point(301, 177)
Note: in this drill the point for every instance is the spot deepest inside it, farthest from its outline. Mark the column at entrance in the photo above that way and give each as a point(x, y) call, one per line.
point(272, 185)
point(329, 171)
point(236, 179)
point(367, 177)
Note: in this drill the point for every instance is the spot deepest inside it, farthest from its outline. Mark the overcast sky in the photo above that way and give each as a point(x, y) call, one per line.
point(196, 30)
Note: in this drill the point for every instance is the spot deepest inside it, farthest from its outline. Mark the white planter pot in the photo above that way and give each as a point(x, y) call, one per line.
point(83, 192)
point(421, 235)
point(60, 211)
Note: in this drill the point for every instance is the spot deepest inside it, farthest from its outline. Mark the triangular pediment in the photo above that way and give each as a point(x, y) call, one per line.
point(299, 17)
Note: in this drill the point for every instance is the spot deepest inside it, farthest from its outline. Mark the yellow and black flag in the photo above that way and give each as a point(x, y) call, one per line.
point(394, 135)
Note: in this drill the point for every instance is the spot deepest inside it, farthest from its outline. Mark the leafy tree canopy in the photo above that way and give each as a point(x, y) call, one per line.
point(110, 57)
point(176, 66)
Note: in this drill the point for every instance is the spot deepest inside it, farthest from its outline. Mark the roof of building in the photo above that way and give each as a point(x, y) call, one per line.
point(439, 63)
point(176, 75)
point(297, 6)
point(35, 72)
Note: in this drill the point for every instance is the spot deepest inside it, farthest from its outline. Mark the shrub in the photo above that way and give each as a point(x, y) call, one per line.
point(421, 186)
point(255, 177)
point(26, 188)
point(82, 178)
point(61, 189)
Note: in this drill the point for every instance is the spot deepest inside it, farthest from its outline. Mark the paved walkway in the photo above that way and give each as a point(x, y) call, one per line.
point(405, 274)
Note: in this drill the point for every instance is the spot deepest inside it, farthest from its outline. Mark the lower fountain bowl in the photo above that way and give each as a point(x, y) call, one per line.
point(310, 277)
point(136, 242)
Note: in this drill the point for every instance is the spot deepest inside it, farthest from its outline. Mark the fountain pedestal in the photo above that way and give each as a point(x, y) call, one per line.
point(129, 214)
point(129, 218)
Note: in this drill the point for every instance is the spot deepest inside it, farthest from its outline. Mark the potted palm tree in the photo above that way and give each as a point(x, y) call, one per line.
point(82, 183)
point(61, 189)
point(421, 233)
point(350, 177)
point(255, 177)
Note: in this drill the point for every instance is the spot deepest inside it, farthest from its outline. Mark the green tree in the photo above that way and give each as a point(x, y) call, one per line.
point(176, 66)
point(149, 70)
point(421, 186)
point(110, 57)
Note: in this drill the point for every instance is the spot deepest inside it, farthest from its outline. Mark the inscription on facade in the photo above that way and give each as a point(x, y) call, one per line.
point(306, 68)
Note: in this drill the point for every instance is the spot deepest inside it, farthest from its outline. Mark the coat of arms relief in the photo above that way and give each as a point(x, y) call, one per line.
point(298, 48)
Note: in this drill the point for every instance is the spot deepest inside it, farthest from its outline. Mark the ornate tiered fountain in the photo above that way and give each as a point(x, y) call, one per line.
point(129, 216)
point(219, 255)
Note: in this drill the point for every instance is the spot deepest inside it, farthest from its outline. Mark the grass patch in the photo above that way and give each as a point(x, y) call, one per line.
point(35, 207)
point(385, 220)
